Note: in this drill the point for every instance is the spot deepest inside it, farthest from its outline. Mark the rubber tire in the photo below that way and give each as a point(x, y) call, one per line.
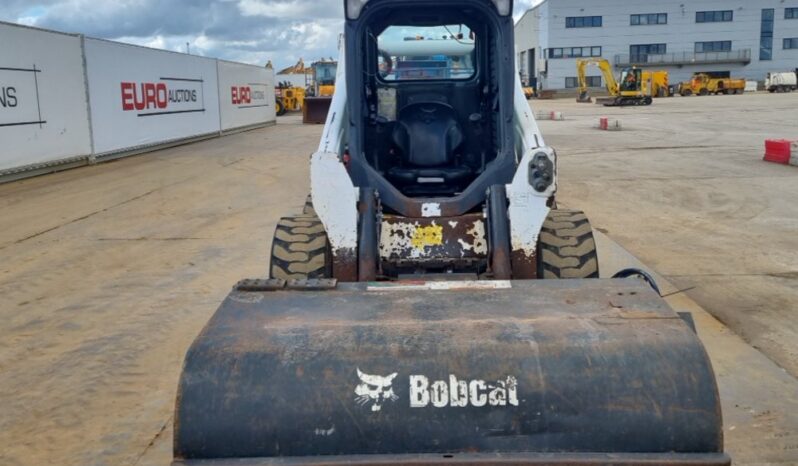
point(566, 246)
point(687, 93)
point(300, 249)
point(279, 108)
point(307, 209)
point(648, 101)
point(703, 92)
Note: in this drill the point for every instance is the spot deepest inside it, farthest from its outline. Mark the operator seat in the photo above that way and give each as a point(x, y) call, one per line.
point(428, 134)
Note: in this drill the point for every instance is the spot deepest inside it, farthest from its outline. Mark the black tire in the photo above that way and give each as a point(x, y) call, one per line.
point(703, 92)
point(279, 107)
point(307, 209)
point(647, 101)
point(566, 246)
point(687, 93)
point(300, 249)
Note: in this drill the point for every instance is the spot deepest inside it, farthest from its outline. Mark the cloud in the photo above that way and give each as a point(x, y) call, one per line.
point(250, 31)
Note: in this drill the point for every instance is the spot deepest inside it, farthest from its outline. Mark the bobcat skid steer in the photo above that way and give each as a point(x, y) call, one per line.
point(432, 305)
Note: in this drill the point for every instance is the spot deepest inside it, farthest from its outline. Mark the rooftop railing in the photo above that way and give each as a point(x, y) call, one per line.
point(684, 58)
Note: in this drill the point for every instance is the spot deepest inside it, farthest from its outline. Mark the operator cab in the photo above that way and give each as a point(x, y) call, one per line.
point(431, 97)
point(631, 80)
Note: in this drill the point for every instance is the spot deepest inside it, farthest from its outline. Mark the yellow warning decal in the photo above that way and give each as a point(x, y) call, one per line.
point(431, 235)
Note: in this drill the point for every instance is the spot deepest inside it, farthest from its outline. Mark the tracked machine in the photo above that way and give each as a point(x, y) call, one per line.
point(634, 88)
point(432, 304)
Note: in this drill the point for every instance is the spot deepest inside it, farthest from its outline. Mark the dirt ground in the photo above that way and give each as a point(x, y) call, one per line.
point(684, 188)
point(107, 273)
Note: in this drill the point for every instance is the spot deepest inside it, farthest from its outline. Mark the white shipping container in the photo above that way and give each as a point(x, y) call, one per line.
point(246, 95)
point(142, 97)
point(43, 106)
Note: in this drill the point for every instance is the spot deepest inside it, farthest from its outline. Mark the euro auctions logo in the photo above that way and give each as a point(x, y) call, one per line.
point(250, 95)
point(167, 96)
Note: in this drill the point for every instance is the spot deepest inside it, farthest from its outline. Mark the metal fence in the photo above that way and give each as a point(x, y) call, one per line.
point(684, 58)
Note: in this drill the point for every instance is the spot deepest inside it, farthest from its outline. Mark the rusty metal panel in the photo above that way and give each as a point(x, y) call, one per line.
point(496, 367)
point(314, 110)
point(429, 239)
point(510, 459)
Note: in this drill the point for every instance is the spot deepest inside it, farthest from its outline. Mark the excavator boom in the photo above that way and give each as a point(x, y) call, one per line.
point(606, 70)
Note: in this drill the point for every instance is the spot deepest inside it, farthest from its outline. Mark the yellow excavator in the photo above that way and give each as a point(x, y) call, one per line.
point(628, 90)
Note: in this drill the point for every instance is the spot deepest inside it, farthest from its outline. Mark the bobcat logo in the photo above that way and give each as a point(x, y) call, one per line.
point(374, 389)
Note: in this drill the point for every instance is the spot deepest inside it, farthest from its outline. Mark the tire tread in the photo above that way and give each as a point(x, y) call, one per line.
point(567, 246)
point(300, 249)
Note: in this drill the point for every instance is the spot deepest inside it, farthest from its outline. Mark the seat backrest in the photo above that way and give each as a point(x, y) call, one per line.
point(427, 133)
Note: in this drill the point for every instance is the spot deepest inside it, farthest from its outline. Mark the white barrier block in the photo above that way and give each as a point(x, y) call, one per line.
point(554, 116)
point(609, 124)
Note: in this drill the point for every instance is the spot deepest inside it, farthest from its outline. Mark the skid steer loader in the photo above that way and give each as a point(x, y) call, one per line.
point(418, 311)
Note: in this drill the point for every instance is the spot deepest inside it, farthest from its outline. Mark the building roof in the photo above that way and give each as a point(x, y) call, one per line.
point(530, 11)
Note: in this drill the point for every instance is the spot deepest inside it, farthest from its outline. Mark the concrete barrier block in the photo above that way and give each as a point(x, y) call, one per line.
point(778, 150)
point(553, 116)
point(609, 124)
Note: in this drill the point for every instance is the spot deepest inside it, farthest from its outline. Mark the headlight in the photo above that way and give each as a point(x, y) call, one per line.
point(541, 172)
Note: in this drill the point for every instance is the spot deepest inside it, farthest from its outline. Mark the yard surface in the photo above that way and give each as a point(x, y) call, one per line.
point(107, 273)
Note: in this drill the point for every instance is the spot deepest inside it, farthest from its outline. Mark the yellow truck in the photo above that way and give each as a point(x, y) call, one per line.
point(657, 82)
point(703, 84)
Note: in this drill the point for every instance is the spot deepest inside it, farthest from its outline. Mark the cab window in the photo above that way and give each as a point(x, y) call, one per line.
point(426, 53)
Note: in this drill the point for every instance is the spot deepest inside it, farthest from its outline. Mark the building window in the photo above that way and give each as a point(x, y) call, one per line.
point(766, 34)
point(714, 16)
point(791, 13)
point(575, 52)
point(648, 19)
point(583, 22)
point(714, 46)
point(791, 43)
point(592, 81)
point(640, 53)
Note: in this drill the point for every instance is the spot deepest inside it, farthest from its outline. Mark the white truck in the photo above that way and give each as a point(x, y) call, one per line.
point(781, 82)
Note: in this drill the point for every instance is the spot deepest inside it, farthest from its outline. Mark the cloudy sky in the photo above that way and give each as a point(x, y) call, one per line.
point(250, 31)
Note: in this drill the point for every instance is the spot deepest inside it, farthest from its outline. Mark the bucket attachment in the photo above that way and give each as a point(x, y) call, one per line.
point(315, 110)
point(581, 372)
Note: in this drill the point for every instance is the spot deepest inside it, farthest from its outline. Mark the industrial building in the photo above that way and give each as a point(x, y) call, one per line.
point(735, 38)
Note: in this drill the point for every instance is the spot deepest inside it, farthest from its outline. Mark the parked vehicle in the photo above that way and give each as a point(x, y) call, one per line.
point(704, 84)
point(781, 82)
point(658, 82)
